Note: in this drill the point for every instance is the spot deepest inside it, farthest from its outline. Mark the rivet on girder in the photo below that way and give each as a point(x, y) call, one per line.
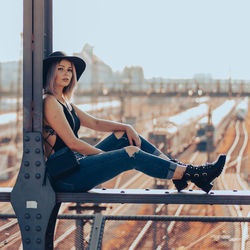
point(26, 138)
point(38, 240)
point(38, 216)
point(27, 241)
point(26, 163)
point(27, 228)
point(27, 216)
point(37, 138)
point(38, 228)
point(38, 176)
point(26, 175)
point(38, 163)
point(37, 150)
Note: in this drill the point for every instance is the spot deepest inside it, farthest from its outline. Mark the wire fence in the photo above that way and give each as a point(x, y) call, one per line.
point(77, 231)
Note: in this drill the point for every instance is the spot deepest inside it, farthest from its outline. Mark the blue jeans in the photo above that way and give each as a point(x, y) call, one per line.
point(96, 169)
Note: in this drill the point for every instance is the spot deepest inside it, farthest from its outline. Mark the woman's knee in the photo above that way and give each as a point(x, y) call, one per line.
point(119, 134)
point(131, 150)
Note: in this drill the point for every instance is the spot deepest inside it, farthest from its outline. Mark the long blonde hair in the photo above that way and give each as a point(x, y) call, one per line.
point(50, 81)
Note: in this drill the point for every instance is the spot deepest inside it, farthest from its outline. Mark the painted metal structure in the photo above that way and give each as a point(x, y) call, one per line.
point(34, 203)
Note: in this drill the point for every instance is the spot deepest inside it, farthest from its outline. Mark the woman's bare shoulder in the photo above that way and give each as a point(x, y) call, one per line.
point(49, 99)
point(50, 103)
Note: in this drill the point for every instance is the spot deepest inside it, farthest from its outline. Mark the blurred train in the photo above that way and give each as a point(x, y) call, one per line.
point(211, 128)
point(173, 134)
point(241, 110)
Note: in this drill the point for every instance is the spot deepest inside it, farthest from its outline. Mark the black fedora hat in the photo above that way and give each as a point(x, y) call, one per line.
point(80, 65)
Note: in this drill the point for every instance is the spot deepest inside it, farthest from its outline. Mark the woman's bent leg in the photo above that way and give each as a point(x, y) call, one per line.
point(96, 169)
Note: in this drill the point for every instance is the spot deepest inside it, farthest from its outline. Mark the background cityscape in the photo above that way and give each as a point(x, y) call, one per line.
point(99, 74)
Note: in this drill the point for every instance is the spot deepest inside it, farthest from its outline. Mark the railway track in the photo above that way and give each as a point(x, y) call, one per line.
point(228, 181)
point(235, 154)
point(220, 231)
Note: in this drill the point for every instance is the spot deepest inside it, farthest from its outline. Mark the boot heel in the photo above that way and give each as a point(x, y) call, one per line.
point(180, 184)
point(204, 186)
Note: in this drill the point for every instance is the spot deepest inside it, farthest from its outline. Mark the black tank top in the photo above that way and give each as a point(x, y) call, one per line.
point(74, 123)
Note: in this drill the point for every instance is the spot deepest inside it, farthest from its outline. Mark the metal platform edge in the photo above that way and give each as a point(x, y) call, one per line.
point(156, 196)
point(149, 196)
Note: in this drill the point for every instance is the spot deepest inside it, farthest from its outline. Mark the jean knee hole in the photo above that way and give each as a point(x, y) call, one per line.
point(133, 153)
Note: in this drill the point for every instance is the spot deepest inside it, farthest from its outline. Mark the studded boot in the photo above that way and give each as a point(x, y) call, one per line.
point(201, 176)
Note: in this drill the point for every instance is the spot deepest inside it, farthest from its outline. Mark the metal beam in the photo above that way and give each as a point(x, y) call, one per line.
point(138, 196)
point(156, 196)
point(37, 84)
point(42, 35)
point(28, 42)
point(33, 202)
point(223, 197)
point(97, 232)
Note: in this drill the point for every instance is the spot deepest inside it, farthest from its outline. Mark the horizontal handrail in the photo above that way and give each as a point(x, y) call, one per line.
point(146, 217)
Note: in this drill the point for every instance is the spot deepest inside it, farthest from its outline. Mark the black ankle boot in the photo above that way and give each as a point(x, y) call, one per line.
point(201, 176)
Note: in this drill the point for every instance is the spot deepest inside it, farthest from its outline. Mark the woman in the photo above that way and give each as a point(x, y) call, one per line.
point(123, 150)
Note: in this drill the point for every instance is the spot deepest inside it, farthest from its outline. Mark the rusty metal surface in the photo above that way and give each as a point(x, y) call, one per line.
point(27, 65)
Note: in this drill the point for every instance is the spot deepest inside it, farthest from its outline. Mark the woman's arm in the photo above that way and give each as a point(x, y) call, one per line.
point(55, 117)
point(94, 123)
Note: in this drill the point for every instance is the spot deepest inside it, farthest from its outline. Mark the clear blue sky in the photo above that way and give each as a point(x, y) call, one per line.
point(168, 38)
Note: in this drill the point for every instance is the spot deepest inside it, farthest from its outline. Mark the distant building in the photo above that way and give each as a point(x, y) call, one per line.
point(99, 76)
point(97, 73)
point(134, 77)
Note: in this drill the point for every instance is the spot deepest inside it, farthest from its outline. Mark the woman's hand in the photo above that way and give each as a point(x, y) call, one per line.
point(133, 136)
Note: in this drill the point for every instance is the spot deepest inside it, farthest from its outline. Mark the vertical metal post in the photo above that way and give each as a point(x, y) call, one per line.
point(97, 232)
point(34, 203)
point(167, 223)
point(154, 223)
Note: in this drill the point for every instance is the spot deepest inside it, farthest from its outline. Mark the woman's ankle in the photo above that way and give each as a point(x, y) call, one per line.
point(179, 172)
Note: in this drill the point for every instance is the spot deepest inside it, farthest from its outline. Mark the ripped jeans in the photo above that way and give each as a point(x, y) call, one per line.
point(96, 169)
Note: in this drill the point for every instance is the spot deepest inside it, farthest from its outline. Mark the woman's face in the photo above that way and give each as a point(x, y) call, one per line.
point(64, 72)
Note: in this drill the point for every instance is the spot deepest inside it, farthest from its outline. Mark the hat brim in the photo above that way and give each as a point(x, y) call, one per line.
point(80, 65)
